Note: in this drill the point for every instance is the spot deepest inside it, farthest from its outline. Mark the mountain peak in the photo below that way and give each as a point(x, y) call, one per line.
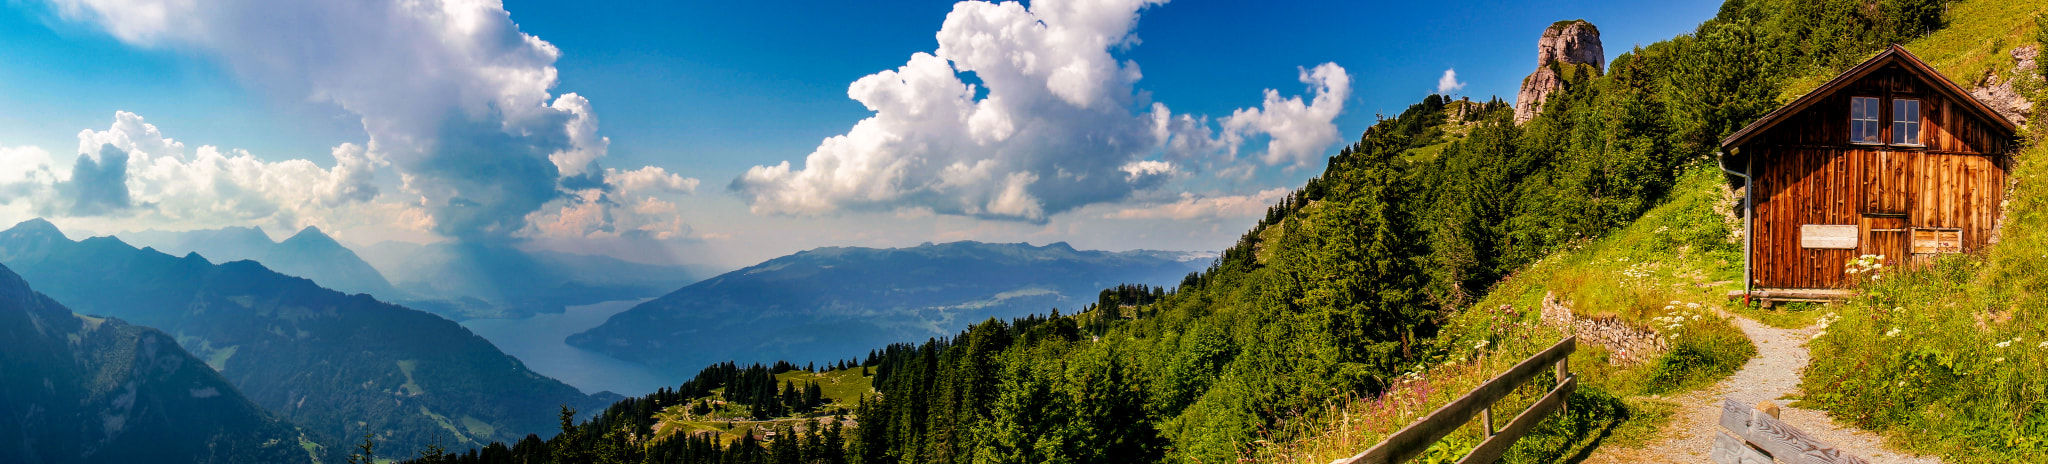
point(37, 226)
point(310, 234)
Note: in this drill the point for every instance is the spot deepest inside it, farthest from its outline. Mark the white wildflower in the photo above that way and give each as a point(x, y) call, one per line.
point(2003, 344)
point(1998, 360)
point(1892, 333)
point(1693, 305)
point(1817, 335)
point(2043, 345)
point(1695, 317)
point(1482, 345)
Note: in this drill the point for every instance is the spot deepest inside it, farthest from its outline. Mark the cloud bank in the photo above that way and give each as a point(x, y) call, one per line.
point(453, 96)
point(1054, 123)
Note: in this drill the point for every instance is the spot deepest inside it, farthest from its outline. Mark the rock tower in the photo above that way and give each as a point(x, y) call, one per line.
point(1566, 47)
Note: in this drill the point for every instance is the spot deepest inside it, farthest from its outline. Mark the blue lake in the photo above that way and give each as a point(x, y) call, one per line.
point(537, 341)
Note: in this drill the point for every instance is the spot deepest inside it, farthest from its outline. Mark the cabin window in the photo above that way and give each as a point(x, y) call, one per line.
point(1905, 122)
point(1863, 124)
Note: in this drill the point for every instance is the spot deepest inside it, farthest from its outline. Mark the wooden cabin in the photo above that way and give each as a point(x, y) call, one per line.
point(1890, 158)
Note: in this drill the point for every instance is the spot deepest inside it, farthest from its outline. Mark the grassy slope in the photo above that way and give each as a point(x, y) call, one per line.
point(843, 387)
point(1671, 257)
point(1952, 359)
point(1679, 253)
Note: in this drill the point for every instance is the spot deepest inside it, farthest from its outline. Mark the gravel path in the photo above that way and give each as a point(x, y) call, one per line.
point(1771, 375)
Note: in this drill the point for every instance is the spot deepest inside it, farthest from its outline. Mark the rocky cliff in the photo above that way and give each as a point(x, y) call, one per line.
point(1566, 48)
point(1999, 94)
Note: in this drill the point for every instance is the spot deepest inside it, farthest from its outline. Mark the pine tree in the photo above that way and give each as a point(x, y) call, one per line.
point(366, 452)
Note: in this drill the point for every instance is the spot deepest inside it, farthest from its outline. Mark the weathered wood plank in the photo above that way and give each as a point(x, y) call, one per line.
point(1417, 437)
point(1491, 450)
point(1731, 450)
point(1780, 440)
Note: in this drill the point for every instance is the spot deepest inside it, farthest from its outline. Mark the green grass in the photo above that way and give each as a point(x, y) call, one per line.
point(1680, 254)
point(1952, 358)
point(1976, 43)
point(843, 387)
point(1786, 316)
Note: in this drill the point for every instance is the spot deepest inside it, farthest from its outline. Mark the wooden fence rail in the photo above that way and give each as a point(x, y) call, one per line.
point(1756, 436)
point(1417, 437)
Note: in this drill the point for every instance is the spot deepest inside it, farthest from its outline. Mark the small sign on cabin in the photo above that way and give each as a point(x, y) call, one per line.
point(1930, 241)
point(1827, 236)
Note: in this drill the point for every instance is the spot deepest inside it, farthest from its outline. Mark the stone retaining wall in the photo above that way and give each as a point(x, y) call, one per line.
point(1629, 344)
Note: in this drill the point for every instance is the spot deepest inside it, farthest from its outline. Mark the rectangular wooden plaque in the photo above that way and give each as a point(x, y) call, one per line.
point(1827, 236)
point(1926, 241)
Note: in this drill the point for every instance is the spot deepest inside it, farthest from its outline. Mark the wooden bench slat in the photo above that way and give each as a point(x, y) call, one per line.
point(1781, 440)
point(1731, 450)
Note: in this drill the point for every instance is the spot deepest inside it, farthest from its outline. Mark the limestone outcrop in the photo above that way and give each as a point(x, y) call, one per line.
point(1566, 47)
point(2000, 95)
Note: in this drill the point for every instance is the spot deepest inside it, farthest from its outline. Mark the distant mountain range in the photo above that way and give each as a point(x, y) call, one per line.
point(473, 280)
point(825, 303)
point(310, 254)
point(82, 389)
point(457, 280)
point(339, 365)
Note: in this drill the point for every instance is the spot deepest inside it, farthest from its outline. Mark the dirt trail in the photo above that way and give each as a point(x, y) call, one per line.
point(1771, 375)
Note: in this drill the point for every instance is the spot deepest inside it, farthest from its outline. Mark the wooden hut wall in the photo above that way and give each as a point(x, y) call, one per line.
point(1808, 173)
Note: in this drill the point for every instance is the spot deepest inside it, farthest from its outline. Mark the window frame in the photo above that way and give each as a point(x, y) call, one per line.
point(1918, 123)
point(1878, 122)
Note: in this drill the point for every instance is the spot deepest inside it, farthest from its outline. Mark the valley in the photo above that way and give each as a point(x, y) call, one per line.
point(538, 342)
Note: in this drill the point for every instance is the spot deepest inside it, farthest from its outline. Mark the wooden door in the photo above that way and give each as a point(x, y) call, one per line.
point(1886, 185)
point(1885, 235)
point(1887, 195)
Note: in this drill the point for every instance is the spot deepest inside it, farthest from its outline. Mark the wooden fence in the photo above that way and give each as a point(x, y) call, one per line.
point(1756, 436)
point(1417, 437)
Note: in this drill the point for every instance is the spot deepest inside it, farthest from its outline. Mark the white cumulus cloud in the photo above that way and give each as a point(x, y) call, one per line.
point(1449, 83)
point(132, 170)
point(1055, 123)
point(452, 94)
point(1299, 131)
point(1192, 207)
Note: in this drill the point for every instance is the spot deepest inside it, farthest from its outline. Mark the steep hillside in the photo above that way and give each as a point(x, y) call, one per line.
point(1952, 358)
point(88, 390)
point(827, 302)
point(339, 365)
point(310, 254)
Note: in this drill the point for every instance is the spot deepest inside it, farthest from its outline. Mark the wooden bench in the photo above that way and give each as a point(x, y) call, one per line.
point(1754, 435)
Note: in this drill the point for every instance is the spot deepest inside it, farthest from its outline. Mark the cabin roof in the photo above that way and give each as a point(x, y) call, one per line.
point(1894, 54)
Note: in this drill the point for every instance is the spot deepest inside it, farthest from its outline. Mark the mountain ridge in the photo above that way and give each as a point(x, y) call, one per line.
point(325, 360)
point(822, 302)
point(81, 389)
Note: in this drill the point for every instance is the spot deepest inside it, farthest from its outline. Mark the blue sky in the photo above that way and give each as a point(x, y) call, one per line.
point(706, 92)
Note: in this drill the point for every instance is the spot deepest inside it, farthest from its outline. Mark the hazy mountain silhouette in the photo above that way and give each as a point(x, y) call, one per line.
point(339, 365)
point(498, 280)
point(825, 303)
point(78, 389)
point(310, 254)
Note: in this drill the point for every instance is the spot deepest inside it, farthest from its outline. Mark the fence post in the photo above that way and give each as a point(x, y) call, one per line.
point(1564, 369)
point(1486, 419)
